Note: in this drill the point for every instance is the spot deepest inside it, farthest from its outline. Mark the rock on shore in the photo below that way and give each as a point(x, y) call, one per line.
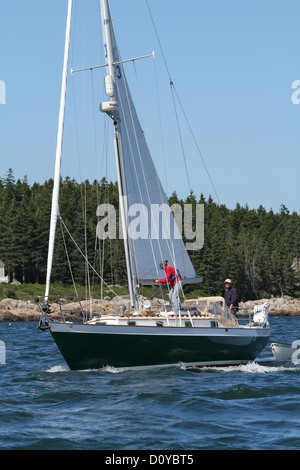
point(279, 306)
point(12, 310)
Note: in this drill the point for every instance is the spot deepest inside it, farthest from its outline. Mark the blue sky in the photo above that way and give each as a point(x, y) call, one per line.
point(233, 63)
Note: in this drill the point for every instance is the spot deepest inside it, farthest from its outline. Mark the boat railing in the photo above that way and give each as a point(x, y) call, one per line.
point(221, 313)
point(215, 308)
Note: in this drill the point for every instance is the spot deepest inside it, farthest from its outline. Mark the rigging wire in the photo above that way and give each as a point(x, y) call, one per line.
point(70, 267)
point(87, 272)
point(196, 143)
point(85, 258)
point(96, 169)
point(158, 39)
point(180, 136)
point(172, 86)
point(158, 99)
point(216, 194)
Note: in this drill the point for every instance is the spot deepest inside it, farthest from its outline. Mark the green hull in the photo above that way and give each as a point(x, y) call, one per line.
point(87, 350)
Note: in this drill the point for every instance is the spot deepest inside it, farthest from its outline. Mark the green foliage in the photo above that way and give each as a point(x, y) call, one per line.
point(24, 225)
point(30, 291)
point(255, 248)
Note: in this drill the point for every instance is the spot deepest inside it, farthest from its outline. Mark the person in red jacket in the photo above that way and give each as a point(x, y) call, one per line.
point(174, 280)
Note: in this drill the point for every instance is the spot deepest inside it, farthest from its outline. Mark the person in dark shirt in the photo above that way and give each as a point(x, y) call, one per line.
point(230, 296)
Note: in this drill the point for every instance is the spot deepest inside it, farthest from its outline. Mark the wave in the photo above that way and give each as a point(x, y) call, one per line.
point(250, 368)
point(55, 369)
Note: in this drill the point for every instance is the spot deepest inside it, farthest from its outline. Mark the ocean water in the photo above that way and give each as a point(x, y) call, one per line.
point(45, 406)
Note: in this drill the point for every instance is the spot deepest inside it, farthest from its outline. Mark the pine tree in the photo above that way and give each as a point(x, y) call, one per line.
point(255, 248)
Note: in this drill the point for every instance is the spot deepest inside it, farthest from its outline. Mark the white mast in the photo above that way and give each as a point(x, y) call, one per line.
point(55, 195)
point(112, 109)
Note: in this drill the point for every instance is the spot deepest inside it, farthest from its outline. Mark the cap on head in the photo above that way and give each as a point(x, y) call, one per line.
point(163, 264)
point(227, 281)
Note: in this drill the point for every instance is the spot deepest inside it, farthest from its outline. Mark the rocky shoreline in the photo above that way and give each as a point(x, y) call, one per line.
point(285, 306)
point(12, 310)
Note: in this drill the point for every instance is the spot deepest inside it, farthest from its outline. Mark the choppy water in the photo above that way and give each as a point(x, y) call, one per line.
point(44, 405)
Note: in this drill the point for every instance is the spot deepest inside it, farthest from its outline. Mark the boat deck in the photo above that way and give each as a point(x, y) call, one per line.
point(204, 312)
point(167, 319)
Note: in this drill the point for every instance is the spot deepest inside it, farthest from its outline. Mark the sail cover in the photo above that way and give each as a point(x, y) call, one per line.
point(153, 235)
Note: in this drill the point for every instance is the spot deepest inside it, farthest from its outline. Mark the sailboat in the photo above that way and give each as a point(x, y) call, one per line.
point(204, 332)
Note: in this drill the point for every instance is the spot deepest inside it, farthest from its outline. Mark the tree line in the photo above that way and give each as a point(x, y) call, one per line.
point(254, 247)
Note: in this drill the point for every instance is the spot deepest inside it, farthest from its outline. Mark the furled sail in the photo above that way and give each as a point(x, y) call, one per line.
point(150, 228)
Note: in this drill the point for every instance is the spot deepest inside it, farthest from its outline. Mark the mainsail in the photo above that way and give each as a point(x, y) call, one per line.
point(145, 202)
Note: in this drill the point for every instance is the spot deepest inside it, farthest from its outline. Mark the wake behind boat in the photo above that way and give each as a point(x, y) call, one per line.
point(203, 332)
